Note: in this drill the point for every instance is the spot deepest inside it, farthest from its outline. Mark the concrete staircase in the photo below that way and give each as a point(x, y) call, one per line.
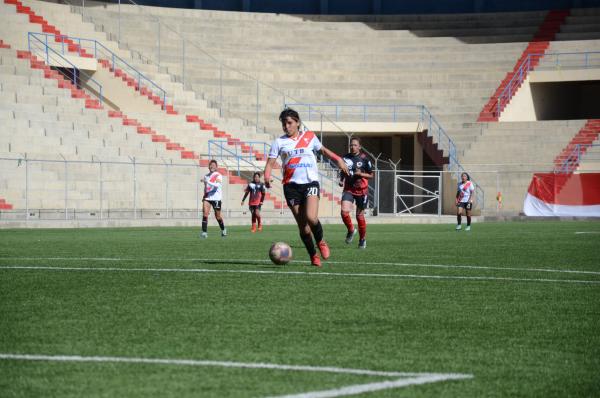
point(180, 127)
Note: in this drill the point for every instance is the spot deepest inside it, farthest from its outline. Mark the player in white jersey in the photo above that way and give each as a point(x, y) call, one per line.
point(212, 198)
point(301, 179)
point(464, 200)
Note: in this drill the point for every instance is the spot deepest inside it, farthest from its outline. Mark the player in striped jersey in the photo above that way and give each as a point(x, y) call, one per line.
point(257, 191)
point(464, 200)
point(212, 198)
point(301, 179)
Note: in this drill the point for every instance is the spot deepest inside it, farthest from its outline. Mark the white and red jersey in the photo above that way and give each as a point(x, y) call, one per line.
point(465, 191)
point(212, 186)
point(297, 157)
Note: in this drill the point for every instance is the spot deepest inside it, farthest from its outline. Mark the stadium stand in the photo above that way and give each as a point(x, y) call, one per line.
point(181, 127)
point(450, 63)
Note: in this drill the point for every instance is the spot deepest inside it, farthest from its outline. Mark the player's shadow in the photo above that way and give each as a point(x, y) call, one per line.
point(261, 264)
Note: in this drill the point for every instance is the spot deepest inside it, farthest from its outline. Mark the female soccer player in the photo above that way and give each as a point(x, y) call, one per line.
point(256, 190)
point(356, 188)
point(464, 200)
point(301, 179)
point(212, 198)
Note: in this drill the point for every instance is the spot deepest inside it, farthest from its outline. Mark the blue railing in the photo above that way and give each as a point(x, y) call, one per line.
point(40, 48)
point(388, 113)
point(381, 113)
point(220, 148)
point(551, 61)
point(573, 160)
point(57, 44)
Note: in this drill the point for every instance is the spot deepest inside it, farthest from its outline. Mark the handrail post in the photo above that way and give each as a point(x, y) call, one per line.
point(364, 113)
point(95, 49)
point(47, 56)
point(79, 47)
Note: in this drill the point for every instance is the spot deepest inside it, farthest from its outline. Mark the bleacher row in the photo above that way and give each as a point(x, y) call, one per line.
point(450, 63)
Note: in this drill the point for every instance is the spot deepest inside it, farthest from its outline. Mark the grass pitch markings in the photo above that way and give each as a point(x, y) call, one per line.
point(313, 273)
point(406, 378)
point(242, 261)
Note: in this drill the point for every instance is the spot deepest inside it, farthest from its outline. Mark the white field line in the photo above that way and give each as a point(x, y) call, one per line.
point(314, 273)
point(242, 261)
point(587, 232)
point(408, 378)
point(370, 387)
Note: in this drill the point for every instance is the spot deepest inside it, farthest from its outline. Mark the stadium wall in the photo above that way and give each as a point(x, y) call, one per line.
point(372, 7)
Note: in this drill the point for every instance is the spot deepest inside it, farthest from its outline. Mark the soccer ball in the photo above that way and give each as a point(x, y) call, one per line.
point(280, 253)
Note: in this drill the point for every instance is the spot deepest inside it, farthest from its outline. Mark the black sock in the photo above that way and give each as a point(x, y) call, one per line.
point(317, 231)
point(308, 242)
point(204, 224)
point(468, 221)
point(221, 224)
point(458, 218)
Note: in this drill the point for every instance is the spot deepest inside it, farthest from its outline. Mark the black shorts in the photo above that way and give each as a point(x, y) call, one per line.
point(253, 208)
point(465, 205)
point(216, 204)
point(362, 201)
point(296, 194)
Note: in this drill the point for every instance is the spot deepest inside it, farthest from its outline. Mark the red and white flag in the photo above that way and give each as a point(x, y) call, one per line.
point(566, 195)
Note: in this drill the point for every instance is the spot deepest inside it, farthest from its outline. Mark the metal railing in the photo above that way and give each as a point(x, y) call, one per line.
point(573, 159)
point(53, 189)
point(221, 149)
point(547, 61)
point(390, 113)
point(38, 46)
point(58, 45)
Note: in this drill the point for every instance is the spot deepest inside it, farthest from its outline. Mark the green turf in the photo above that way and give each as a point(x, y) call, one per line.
point(519, 330)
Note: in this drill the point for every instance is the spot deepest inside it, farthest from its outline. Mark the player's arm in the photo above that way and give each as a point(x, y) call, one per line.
point(262, 196)
point(267, 173)
point(338, 160)
point(245, 196)
point(472, 196)
point(363, 174)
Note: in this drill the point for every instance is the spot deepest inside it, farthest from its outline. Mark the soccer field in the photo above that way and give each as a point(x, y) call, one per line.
point(508, 309)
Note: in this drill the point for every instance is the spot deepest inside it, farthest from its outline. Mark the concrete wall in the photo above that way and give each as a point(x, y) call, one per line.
point(366, 7)
point(556, 95)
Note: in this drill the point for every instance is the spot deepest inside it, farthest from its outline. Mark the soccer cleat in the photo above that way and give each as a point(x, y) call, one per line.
point(315, 260)
point(362, 244)
point(260, 228)
point(204, 235)
point(468, 228)
point(224, 233)
point(350, 236)
point(253, 229)
point(458, 227)
point(324, 249)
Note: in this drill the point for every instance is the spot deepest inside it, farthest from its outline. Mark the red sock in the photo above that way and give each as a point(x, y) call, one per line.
point(347, 220)
point(362, 226)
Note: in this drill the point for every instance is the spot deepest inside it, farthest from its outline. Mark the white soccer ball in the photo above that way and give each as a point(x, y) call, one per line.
point(280, 253)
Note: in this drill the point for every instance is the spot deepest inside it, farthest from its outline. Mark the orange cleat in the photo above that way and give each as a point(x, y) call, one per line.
point(315, 260)
point(324, 249)
point(253, 229)
point(260, 228)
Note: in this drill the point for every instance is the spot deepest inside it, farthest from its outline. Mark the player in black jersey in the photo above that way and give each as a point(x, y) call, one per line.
point(257, 191)
point(356, 190)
